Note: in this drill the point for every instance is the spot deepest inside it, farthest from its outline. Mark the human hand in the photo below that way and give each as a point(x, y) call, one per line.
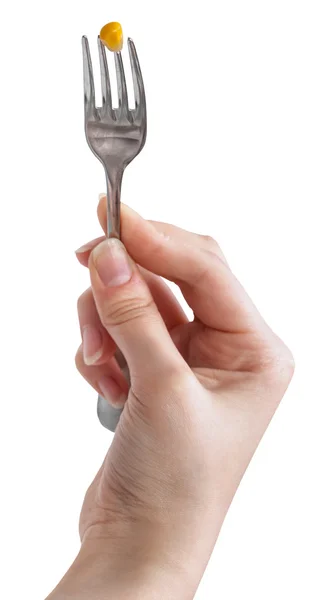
point(201, 396)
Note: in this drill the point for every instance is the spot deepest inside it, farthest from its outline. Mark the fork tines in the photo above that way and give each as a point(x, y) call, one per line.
point(123, 110)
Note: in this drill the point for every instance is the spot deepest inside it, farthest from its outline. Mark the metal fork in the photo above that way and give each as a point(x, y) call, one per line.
point(115, 136)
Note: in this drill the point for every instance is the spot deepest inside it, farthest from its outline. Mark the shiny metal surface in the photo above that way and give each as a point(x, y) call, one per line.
point(115, 136)
point(108, 415)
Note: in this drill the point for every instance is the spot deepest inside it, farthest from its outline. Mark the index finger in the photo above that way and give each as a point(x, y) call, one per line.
point(207, 283)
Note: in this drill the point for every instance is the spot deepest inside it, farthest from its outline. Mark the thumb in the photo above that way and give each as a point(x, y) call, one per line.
point(129, 314)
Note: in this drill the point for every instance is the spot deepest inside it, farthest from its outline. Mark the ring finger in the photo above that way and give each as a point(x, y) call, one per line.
point(107, 379)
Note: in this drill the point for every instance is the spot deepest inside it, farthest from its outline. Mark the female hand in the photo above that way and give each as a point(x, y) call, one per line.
point(202, 393)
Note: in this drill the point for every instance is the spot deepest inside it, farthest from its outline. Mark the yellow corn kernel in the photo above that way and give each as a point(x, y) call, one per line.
point(112, 37)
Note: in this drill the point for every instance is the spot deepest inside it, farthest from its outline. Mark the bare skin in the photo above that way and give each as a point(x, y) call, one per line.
point(202, 394)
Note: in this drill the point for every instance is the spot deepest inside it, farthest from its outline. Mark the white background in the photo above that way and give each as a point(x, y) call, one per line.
point(226, 155)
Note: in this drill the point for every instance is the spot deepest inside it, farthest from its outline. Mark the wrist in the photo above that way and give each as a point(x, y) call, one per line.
point(94, 575)
point(140, 571)
point(143, 563)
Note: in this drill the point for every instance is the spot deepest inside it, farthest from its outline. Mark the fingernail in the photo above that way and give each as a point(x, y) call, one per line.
point(92, 344)
point(84, 248)
point(89, 246)
point(112, 263)
point(111, 391)
point(102, 196)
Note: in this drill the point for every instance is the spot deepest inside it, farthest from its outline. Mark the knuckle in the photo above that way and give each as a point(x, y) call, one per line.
point(127, 310)
point(289, 360)
point(213, 246)
point(281, 364)
point(83, 298)
point(286, 363)
point(79, 363)
point(210, 240)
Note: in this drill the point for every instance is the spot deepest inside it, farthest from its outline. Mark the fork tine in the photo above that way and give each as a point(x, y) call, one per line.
point(105, 81)
point(122, 87)
point(89, 94)
point(139, 90)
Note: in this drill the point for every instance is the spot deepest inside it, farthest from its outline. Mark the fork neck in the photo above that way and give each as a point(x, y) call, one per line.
point(113, 182)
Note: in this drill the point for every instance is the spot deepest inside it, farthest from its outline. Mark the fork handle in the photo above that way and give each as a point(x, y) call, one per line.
point(113, 184)
point(108, 415)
